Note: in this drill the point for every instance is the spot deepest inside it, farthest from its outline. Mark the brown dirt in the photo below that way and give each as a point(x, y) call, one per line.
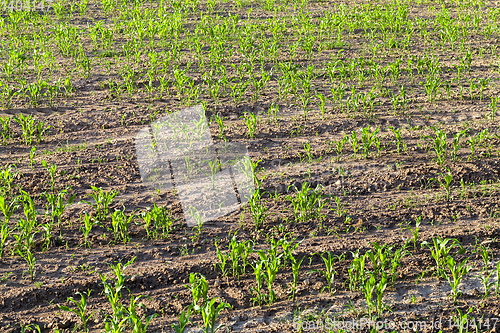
point(91, 140)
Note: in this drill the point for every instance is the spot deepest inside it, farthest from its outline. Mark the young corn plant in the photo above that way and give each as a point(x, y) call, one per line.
point(493, 106)
point(271, 264)
point(463, 321)
point(440, 251)
point(163, 221)
point(356, 271)
point(120, 224)
point(135, 322)
point(396, 262)
point(86, 228)
point(339, 208)
point(398, 137)
point(379, 257)
point(445, 183)
point(52, 174)
point(198, 286)
point(339, 145)
point(415, 232)
point(485, 280)
point(8, 210)
point(295, 270)
point(147, 216)
point(183, 321)
point(237, 250)
point(458, 271)
point(328, 273)
point(114, 292)
point(26, 226)
point(6, 130)
point(354, 142)
point(210, 313)
point(56, 206)
point(30, 259)
point(250, 121)
point(248, 249)
point(368, 139)
point(371, 285)
point(222, 127)
point(101, 203)
point(497, 281)
point(258, 297)
point(28, 127)
point(258, 210)
point(223, 258)
point(307, 203)
point(438, 143)
point(81, 308)
point(456, 144)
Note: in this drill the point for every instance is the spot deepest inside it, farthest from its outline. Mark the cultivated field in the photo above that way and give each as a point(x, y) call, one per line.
point(368, 136)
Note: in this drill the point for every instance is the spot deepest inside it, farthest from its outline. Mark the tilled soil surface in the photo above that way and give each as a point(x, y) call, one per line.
point(92, 141)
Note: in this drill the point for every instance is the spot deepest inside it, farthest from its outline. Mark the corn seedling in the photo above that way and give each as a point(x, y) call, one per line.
point(258, 209)
point(456, 144)
point(257, 296)
point(80, 309)
point(497, 281)
point(445, 183)
point(223, 258)
point(463, 321)
point(199, 223)
point(307, 203)
point(30, 259)
point(458, 271)
point(86, 228)
point(222, 127)
point(485, 278)
point(135, 322)
point(26, 226)
point(114, 293)
point(379, 257)
point(395, 262)
point(339, 209)
point(28, 127)
point(368, 139)
point(354, 142)
point(56, 207)
point(236, 250)
point(415, 232)
point(7, 211)
point(271, 264)
point(163, 221)
point(493, 106)
point(250, 120)
point(32, 156)
point(199, 290)
point(340, 144)
point(5, 128)
point(183, 321)
point(328, 273)
point(210, 313)
point(295, 270)
point(438, 143)
point(52, 174)
point(370, 286)
point(356, 271)
point(101, 203)
point(120, 224)
point(397, 136)
point(440, 252)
